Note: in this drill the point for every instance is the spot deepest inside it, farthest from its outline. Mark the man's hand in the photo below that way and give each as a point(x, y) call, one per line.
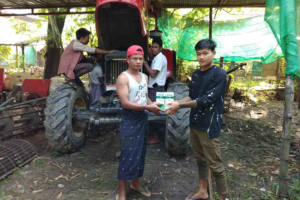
point(174, 107)
point(112, 51)
point(154, 109)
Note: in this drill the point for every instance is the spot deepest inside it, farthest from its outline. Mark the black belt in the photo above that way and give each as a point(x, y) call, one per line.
point(155, 86)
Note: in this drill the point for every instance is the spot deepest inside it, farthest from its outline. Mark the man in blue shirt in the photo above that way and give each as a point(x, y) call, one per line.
point(206, 98)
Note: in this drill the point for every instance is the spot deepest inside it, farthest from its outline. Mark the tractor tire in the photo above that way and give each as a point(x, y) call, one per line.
point(177, 126)
point(64, 134)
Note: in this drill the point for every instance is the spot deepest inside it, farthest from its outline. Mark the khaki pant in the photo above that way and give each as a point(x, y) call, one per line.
point(207, 153)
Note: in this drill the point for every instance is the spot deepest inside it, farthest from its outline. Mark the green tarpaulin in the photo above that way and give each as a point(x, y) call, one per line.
point(267, 38)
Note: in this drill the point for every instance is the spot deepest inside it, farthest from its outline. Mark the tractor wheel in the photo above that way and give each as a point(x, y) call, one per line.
point(177, 131)
point(64, 133)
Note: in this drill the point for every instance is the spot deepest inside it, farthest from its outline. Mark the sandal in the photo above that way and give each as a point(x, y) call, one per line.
point(72, 83)
point(143, 191)
point(79, 82)
point(191, 197)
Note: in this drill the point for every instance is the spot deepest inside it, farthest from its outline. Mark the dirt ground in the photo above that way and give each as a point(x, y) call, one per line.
point(251, 144)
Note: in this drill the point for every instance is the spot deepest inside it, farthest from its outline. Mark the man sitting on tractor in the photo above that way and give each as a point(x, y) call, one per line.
point(72, 63)
point(157, 78)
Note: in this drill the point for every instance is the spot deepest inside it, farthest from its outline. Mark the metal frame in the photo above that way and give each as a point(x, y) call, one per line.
point(39, 4)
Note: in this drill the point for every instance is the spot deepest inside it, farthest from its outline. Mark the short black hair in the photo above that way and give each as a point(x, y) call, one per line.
point(206, 44)
point(82, 32)
point(158, 41)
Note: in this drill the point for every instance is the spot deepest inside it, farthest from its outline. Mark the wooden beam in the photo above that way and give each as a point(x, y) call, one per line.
point(47, 6)
point(50, 13)
point(215, 6)
point(210, 22)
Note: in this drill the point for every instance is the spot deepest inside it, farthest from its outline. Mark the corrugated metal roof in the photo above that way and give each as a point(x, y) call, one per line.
point(166, 3)
point(45, 3)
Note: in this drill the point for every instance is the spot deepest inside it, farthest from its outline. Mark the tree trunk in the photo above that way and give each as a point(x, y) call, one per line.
point(286, 138)
point(54, 45)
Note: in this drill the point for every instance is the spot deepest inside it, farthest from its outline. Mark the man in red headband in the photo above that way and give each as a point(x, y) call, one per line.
point(132, 89)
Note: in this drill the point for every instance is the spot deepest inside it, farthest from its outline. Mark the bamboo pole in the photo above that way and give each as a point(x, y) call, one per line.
point(299, 94)
point(286, 138)
point(210, 22)
point(210, 187)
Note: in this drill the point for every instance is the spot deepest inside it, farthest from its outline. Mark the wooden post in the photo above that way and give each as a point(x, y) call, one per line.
point(23, 57)
point(17, 55)
point(210, 188)
point(286, 138)
point(210, 22)
point(221, 62)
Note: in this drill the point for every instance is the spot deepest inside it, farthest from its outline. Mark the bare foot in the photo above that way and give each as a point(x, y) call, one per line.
point(197, 195)
point(121, 197)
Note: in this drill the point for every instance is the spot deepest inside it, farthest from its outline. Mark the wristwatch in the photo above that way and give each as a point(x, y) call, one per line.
point(145, 63)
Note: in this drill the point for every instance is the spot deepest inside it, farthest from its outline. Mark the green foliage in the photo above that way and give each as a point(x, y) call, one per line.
point(4, 52)
point(294, 191)
point(39, 163)
point(86, 21)
point(55, 154)
point(20, 26)
point(2, 195)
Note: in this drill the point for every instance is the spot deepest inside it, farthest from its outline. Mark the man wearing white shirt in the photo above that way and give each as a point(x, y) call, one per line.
point(157, 77)
point(72, 63)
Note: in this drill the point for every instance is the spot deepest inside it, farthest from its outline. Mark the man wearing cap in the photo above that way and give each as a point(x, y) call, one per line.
point(157, 79)
point(132, 89)
point(72, 63)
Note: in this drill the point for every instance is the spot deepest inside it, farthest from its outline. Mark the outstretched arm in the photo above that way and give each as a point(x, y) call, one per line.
point(123, 93)
point(215, 90)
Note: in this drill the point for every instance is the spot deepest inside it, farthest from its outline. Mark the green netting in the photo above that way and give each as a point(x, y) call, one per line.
point(257, 68)
point(237, 40)
point(29, 55)
point(282, 16)
point(266, 37)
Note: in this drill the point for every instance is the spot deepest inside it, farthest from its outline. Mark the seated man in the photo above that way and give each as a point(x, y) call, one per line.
point(72, 63)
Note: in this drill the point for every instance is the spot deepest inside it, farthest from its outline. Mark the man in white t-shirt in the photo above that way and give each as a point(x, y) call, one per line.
point(157, 78)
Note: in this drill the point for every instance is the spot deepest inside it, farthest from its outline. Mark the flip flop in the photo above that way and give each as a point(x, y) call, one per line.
point(142, 191)
point(79, 82)
point(72, 83)
point(191, 197)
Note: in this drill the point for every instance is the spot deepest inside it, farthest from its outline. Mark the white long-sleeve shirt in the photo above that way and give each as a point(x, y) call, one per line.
point(78, 46)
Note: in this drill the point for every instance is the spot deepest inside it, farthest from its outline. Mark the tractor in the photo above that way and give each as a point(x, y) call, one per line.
point(68, 115)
